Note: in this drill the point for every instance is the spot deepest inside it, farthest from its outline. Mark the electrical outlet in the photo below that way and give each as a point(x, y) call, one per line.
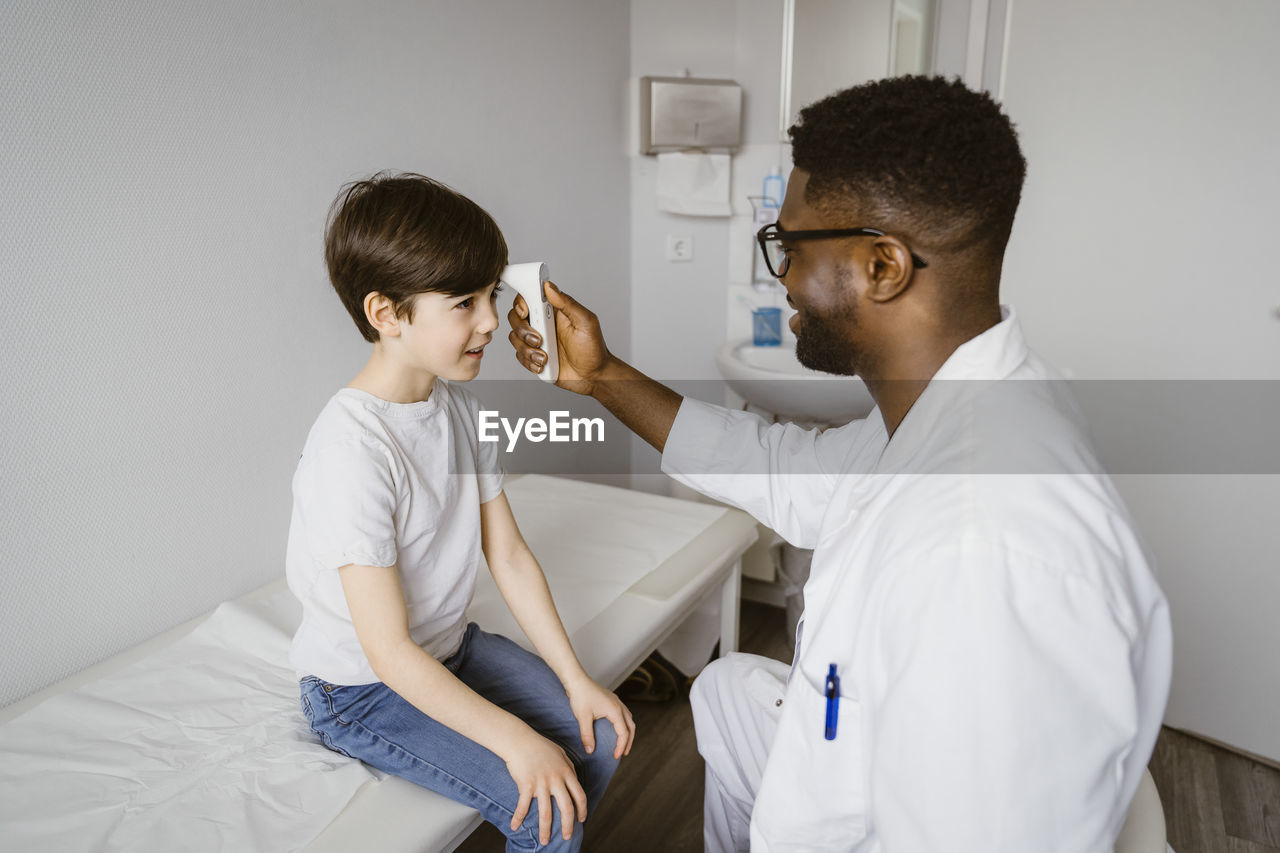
point(679, 247)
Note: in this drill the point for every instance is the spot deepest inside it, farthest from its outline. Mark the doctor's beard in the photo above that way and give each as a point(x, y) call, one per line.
point(821, 343)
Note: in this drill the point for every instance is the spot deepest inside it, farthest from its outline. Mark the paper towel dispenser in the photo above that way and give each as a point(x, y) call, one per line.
point(677, 113)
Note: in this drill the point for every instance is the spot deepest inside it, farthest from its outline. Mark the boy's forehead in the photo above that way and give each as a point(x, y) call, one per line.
point(441, 294)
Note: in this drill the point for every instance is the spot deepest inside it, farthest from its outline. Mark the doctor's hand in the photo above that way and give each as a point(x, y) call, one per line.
point(542, 771)
point(590, 702)
point(583, 353)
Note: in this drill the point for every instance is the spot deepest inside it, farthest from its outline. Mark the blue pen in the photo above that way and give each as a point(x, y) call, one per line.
point(833, 701)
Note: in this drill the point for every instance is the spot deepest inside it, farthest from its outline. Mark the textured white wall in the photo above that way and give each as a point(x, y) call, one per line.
point(168, 333)
point(838, 44)
point(678, 317)
point(1144, 248)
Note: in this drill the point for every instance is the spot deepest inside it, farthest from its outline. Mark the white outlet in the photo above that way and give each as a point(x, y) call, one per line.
point(679, 247)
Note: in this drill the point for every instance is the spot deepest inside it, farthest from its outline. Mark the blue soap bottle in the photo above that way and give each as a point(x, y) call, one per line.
point(774, 188)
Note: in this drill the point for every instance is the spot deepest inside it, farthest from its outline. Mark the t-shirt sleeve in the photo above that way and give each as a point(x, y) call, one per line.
point(489, 471)
point(345, 495)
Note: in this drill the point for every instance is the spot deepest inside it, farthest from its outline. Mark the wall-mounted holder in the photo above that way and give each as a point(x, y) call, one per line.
point(680, 113)
point(764, 210)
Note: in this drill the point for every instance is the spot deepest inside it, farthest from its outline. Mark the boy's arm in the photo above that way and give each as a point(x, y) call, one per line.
point(524, 587)
point(540, 768)
point(378, 612)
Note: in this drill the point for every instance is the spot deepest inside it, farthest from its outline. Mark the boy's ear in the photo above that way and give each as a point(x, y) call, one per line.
point(381, 314)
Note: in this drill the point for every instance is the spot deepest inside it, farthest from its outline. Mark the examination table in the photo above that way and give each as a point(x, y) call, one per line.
point(194, 739)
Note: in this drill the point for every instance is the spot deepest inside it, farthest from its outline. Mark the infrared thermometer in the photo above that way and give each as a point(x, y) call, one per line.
point(528, 281)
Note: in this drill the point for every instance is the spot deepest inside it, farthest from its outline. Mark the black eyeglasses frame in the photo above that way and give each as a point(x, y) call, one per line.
point(764, 236)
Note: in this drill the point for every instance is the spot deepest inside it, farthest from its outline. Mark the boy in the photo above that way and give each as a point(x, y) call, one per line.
point(394, 500)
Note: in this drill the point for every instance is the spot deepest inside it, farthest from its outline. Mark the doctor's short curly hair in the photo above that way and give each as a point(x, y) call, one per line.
point(922, 153)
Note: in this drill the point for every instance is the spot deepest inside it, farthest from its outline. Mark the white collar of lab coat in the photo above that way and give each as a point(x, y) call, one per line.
point(991, 356)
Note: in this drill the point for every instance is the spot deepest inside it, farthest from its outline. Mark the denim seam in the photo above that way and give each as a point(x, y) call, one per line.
point(328, 741)
point(316, 727)
point(480, 794)
point(328, 700)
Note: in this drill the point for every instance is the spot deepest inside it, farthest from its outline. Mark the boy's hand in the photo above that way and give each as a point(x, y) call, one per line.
point(542, 771)
point(591, 702)
point(582, 351)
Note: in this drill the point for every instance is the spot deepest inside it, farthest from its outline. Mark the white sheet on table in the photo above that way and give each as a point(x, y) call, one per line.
point(200, 746)
point(593, 542)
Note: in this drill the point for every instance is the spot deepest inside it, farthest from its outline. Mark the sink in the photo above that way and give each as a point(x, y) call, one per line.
point(771, 378)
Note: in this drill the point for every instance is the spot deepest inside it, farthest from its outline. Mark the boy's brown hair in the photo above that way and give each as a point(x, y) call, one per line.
point(401, 234)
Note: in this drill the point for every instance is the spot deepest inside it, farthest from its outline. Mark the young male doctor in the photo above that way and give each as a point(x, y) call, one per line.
point(984, 659)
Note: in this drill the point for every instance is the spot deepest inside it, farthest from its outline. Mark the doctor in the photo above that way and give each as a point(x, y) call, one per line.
point(985, 656)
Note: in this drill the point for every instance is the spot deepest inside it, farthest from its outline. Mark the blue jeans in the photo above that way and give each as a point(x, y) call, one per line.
point(372, 723)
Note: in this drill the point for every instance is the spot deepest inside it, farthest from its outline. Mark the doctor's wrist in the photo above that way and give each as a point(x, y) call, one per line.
point(612, 379)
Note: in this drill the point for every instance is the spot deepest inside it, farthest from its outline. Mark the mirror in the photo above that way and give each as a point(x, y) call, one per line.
point(828, 45)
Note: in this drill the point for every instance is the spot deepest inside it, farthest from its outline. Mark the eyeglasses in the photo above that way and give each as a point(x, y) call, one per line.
point(777, 258)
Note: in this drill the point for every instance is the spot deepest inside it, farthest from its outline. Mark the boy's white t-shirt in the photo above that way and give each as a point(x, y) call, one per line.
point(381, 484)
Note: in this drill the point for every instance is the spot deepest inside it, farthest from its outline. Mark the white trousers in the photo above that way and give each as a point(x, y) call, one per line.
point(736, 704)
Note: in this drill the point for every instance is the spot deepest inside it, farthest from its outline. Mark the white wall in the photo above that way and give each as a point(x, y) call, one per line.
point(1144, 249)
point(169, 334)
point(837, 40)
point(678, 316)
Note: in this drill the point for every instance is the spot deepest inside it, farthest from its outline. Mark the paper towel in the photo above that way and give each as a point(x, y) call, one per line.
point(694, 184)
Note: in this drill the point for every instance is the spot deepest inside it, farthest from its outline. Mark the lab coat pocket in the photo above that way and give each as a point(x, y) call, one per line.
point(766, 685)
point(813, 796)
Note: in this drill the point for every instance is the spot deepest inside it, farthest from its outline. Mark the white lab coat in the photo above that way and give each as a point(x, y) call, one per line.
point(1003, 648)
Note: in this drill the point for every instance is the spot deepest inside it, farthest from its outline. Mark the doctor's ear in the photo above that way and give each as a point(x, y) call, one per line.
point(888, 269)
point(380, 311)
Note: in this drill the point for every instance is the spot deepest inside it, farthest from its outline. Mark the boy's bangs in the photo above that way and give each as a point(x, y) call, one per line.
point(467, 254)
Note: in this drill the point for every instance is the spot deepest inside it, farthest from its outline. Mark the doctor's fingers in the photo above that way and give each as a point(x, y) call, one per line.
point(578, 315)
point(518, 317)
point(528, 355)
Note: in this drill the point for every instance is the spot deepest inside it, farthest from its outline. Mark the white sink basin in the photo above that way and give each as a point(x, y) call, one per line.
point(771, 378)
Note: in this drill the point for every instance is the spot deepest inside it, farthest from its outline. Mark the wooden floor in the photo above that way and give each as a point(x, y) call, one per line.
point(1215, 801)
